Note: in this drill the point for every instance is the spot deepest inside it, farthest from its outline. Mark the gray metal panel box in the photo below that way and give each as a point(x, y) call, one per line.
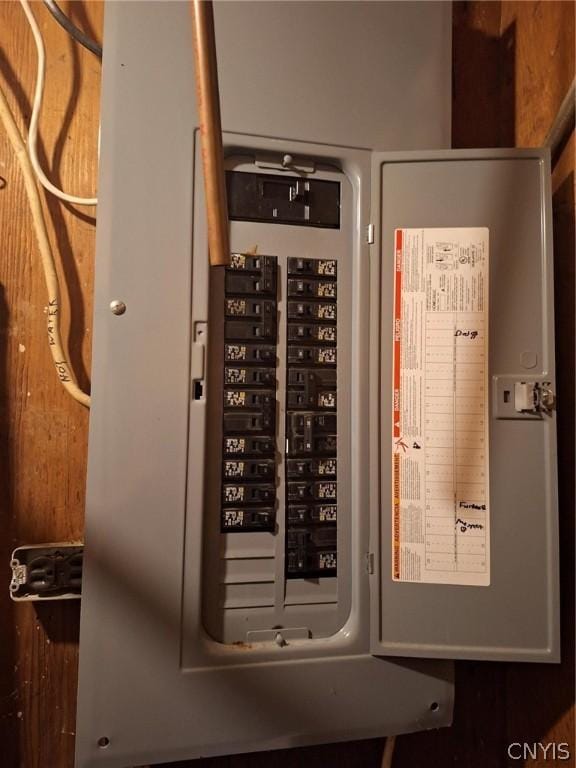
point(165, 673)
point(352, 73)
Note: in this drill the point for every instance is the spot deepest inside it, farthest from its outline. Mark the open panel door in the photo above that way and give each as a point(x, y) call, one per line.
point(464, 512)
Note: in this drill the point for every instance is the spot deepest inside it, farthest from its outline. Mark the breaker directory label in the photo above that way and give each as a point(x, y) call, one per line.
point(440, 505)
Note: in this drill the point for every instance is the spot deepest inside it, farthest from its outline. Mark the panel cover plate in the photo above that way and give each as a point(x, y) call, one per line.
point(140, 700)
point(515, 617)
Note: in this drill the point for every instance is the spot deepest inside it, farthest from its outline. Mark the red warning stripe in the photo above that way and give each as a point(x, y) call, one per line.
point(396, 518)
point(397, 331)
point(396, 408)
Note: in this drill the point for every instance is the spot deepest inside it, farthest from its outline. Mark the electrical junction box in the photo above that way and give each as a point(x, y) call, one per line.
point(313, 481)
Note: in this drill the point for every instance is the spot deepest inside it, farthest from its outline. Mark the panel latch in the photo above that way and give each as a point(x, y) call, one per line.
point(518, 397)
point(533, 397)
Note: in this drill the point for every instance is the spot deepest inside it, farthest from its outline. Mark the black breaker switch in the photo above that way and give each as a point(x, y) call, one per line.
point(311, 552)
point(249, 377)
point(283, 199)
point(312, 388)
point(311, 419)
point(249, 395)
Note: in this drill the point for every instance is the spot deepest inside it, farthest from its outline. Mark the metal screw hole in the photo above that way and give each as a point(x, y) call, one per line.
point(103, 742)
point(434, 707)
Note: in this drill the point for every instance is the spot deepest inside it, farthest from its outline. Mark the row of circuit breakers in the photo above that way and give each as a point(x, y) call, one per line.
point(250, 407)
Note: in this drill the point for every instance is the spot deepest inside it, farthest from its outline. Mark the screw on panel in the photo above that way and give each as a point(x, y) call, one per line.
point(103, 742)
point(117, 307)
point(287, 160)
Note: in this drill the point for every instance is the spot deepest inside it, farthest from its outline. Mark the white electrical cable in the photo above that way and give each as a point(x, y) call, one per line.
point(36, 107)
point(59, 356)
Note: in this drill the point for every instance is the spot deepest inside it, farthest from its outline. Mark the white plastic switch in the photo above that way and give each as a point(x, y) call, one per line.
point(525, 397)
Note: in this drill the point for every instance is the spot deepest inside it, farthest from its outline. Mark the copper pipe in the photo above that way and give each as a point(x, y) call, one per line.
point(208, 101)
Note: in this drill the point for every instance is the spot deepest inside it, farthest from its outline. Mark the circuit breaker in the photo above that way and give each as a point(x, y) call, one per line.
point(319, 475)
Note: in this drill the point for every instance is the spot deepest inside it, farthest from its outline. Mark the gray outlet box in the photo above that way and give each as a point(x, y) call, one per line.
point(200, 636)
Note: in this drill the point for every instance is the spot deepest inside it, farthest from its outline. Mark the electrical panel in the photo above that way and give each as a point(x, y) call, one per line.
point(278, 509)
point(254, 561)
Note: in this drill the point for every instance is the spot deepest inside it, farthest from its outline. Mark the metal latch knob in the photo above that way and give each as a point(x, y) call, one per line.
point(533, 397)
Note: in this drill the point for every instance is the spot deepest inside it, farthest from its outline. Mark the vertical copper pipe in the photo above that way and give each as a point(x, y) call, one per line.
point(210, 130)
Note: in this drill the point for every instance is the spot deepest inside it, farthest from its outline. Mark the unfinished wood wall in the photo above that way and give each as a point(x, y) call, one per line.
point(43, 433)
point(513, 62)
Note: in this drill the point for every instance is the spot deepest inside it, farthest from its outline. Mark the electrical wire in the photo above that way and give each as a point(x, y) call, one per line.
point(388, 754)
point(36, 107)
point(78, 35)
point(59, 356)
point(563, 123)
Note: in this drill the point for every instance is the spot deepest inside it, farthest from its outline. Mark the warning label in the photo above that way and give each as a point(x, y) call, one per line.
point(440, 504)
